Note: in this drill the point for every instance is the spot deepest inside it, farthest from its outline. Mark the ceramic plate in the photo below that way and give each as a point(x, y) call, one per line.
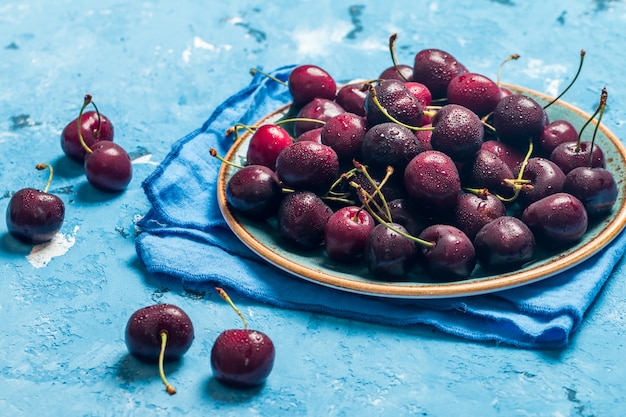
point(315, 266)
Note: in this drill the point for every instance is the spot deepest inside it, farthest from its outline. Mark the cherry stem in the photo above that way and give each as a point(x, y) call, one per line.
point(235, 129)
point(377, 187)
point(168, 388)
point(392, 51)
point(509, 58)
point(603, 98)
point(424, 243)
point(86, 102)
point(214, 154)
point(374, 96)
point(580, 67)
point(299, 119)
point(41, 167)
point(519, 183)
point(226, 298)
point(254, 71)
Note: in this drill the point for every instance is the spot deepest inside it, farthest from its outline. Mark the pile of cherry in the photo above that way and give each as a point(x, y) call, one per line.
point(430, 166)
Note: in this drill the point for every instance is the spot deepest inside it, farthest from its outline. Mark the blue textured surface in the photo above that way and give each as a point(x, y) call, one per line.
point(158, 70)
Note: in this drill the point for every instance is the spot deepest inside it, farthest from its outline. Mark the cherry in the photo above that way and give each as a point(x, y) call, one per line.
point(595, 187)
point(313, 135)
point(504, 244)
point(241, 358)
point(511, 156)
point(435, 69)
point(560, 218)
point(346, 233)
point(94, 126)
point(474, 210)
point(160, 332)
point(401, 73)
point(570, 155)
point(555, 133)
point(254, 191)
point(517, 119)
point(307, 165)
point(351, 97)
point(302, 218)
point(545, 178)
point(487, 170)
point(344, 133)
point(316, 113)
point(389, 144)
point(458, 132)
point(432, 181)
point(404, 213)
point(266, 143)
point(35, 216)
point(390, 101)
point(452, 255)
point(107, 165)
point(389, 253)
point(421, 92)
point(307, 82)
point(475, 92)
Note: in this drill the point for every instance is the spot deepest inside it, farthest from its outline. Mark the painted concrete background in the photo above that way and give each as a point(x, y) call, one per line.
point(157, 70)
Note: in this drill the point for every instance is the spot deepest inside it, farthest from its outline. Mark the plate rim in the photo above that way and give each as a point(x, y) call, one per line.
point(468, 287)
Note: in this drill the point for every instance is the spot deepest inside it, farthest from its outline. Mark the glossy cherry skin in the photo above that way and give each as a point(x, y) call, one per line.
point(346, 233)
point(435, 69)
point(504, 244)
point(512, 157)
point(595, 187)
point(317, 109)
point(474, 91)
point(474, 211)
point(254, 191)
point(545, 178)
point(242, 358)
point(351, 97)
point(560, 219)
point(570, 155)
point(389, 144)
point(144, 328)
point(555, 133)
point(108, 167)
point(34, 216)
point(401, 73)
point(518, 119)
point(344, 133)
point(307, 82)
point(397, 101)
point(489, 171)
point(266, 143)
point(388, 254)
point(308, 165)
point(70, 142)
point(432, 181)
point(458, 132)
point(302, 218)
point(452, 258)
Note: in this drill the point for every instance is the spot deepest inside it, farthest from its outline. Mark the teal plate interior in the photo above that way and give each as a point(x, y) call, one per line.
point(315, 266)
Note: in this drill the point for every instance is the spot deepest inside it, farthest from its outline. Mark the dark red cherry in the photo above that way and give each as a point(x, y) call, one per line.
point(435, 69)
point(93, 127)
point(254, 191)
point(266, 143)
point(473, 211)
point(34, 216)
point(405, 213)
point(518, 119)
point(504, 244)
point(595, 187)
point(351, 97)
point(320, 109)
point(389, 144)
point(313, 135)
point(307, 165)
point(474, 91)
point(344, 133)
point(346, 233)
point(453, 256)
point(302, 218)
point(307, 82)
point(555, 133)
point(511, 156)
point(570, 155)
point(397, 101)
point(560, 219)
point(545, 178)
point(108, 167)
point(488, 171)
point(458, 132)
point(388, 254)
point(432, 181)
point(401, 73)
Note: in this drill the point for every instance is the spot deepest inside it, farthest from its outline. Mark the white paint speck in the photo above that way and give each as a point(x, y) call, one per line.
point(42, 254)
point(536, 68)
point(319, 41)
point(145, 159)
point(200, 43)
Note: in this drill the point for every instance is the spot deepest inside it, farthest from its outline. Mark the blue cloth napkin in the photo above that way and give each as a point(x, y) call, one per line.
point(185, 237)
